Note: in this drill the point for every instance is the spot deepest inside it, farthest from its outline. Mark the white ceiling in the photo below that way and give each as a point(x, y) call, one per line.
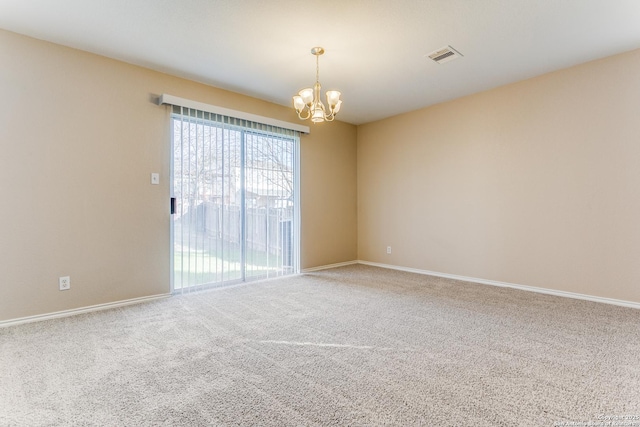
point(375, 49)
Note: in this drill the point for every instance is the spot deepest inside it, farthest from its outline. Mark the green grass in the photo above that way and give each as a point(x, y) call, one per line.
point(199, 267)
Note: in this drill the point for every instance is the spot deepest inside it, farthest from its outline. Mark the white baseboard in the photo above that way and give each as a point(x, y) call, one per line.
point(326, 267)
point(106, 306)
point(564, 294)
point(75, 311)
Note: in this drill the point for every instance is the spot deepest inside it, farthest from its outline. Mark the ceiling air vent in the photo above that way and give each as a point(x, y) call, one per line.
point(444, 54)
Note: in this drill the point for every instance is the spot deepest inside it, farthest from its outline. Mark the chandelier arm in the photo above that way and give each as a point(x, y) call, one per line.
point(304, 117)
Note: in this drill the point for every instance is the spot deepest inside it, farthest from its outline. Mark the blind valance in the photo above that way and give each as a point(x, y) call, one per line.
point(252, 119)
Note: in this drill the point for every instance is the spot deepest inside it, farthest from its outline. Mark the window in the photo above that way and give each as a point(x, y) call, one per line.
point(236, 199)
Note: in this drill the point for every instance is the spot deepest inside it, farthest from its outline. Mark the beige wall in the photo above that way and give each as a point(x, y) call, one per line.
point(536, 183)
point(328, 196)
point(79, 137)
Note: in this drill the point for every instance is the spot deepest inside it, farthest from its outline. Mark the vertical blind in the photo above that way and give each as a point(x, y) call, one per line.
point(236, 188)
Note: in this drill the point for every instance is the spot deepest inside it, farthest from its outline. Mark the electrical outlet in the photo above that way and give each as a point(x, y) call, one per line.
point(388, 249)
point(65, 283)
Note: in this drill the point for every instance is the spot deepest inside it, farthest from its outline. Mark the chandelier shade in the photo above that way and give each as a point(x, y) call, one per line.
point(308, 104)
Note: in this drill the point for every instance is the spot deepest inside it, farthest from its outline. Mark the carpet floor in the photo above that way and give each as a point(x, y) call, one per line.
point(357, 345)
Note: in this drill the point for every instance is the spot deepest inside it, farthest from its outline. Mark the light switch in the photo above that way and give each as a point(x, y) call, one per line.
point(155, 178)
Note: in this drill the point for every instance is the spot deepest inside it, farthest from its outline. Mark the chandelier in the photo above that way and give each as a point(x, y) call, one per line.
point(308, 104)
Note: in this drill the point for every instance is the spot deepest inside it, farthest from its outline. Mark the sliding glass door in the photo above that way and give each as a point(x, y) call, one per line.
point(236, 205)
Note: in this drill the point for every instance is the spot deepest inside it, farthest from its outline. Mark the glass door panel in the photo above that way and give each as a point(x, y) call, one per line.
point(235, 202)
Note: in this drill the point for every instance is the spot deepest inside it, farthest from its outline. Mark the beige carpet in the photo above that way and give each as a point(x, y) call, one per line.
point(356, 346)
